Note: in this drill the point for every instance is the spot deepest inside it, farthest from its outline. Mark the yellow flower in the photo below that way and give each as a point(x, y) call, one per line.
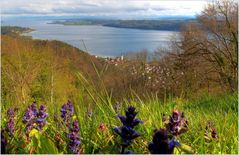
point(33, 132)
point(74, 117)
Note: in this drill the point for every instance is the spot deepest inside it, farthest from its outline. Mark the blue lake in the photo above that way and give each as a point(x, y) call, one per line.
point(95, 39)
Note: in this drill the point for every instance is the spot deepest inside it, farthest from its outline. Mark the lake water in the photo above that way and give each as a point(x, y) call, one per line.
point(95, 39)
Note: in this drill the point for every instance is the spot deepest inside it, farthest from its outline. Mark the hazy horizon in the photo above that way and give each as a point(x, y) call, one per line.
point(130, 9)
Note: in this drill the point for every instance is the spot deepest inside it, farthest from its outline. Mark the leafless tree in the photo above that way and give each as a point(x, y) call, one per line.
point(215, 39)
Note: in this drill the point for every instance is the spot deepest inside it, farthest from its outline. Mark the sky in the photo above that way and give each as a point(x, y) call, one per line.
point(107, 8)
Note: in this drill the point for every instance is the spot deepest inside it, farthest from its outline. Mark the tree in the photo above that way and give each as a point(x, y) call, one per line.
point(215, 39)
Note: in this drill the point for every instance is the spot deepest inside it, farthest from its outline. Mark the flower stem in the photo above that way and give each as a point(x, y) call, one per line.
point(122, 149)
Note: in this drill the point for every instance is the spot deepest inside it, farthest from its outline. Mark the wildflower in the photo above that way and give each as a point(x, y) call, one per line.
point(34, 118)
point(160, 143)
point(29, 115)
point(10, 127)
point(129, 120)
point(10, 113)
point(67, 111)
point(29, 127)
point(175, 116)
point(177, 123)
point(172, 143)
point(102, 127)
point(70, 107)
point(41, 117)
point(3, 143)
point(74, 138)
point(64, 112)
point(210, 132)
point(214, 133)
point(34, 108)
point(10, 124)
point(126, 132)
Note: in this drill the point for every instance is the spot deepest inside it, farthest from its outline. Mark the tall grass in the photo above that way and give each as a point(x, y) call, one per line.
point(221, 110)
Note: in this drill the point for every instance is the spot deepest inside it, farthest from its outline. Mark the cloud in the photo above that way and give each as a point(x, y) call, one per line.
point(111, 8)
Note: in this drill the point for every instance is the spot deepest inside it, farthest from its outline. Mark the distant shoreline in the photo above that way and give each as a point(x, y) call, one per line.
point(13, 30)
point(162, 25)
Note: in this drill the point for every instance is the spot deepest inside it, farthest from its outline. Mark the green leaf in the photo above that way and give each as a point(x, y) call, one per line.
point(187, 149)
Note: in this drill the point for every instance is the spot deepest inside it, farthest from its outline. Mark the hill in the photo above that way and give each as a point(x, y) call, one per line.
point(49, 70)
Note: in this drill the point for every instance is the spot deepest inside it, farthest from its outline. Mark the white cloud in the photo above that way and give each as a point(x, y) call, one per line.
point(114, 8)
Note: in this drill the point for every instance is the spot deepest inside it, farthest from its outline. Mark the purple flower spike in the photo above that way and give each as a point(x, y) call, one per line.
point(29, 127)
point(34, 108)
point(10, 127)
point(70, 107)
point(10, 113)
point(129, 120)
point(42, 112)
point(10, 124)
point(41, 117)
point(74, 138)
point(29, 115)
point(126, 132)
point(160, 143)
point(172, 143)
point(64, 112)
point(177, 123)
point(3, 142)
point(33, 116)
point(67, 111)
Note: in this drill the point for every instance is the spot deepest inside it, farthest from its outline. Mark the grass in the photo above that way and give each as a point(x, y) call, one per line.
point(221, 110)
